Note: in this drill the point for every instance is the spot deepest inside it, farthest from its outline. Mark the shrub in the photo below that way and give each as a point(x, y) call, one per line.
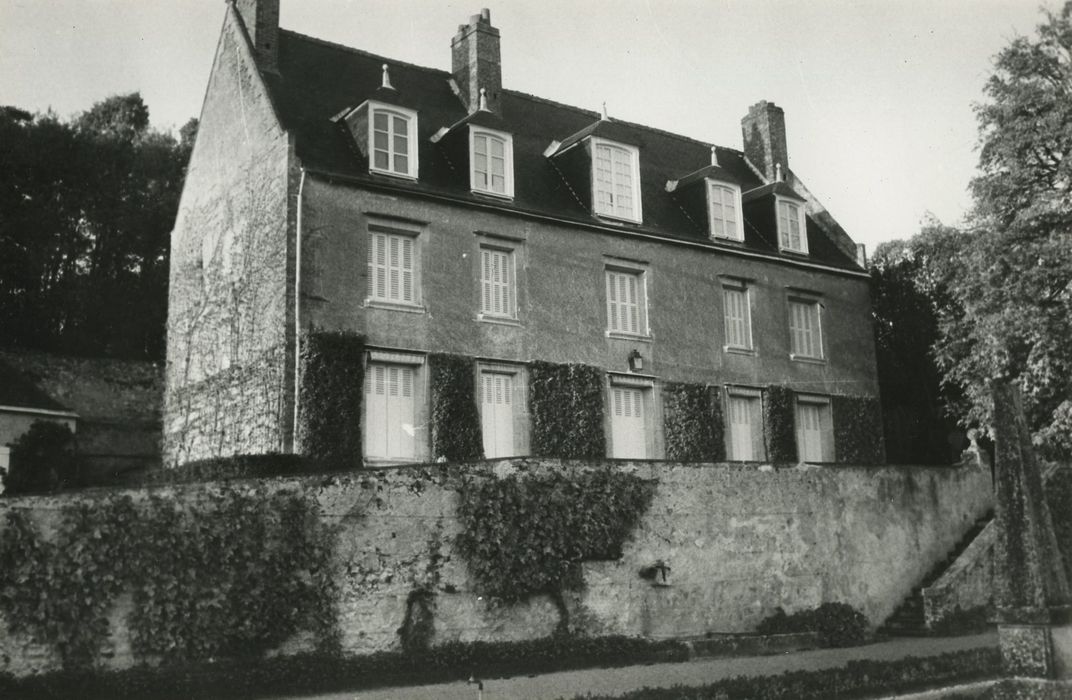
point(1059, 501)
point(456, 429)
point(43, 459)
point(566, 406)
point(527, 534)
point(858, 431)
point(778, 424)
point(330, 391)
point(837, 624)
point(693, 423)
point(235, 467)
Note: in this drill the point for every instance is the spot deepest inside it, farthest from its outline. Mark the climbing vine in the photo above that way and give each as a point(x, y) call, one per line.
point(693, 423)
point(778, 424)
point(330, 391)
point(566, 405)
point(234, 574)
point(456, 433)
point(858, 436)
point(526, 534)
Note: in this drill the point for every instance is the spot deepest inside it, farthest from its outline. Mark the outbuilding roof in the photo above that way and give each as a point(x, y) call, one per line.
point(18, 392)
point(318, 80)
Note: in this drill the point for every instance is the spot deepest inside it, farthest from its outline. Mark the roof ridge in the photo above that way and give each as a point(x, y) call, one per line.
point(515, 93)
point(351, 49)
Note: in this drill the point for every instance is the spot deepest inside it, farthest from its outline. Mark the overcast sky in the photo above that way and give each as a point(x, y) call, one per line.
point(877, 93)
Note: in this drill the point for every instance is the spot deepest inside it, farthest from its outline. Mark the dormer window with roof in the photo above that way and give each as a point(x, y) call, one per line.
point(491, 158)
point(615, 180)
point(792, 234)
point(724, 210)
point(393, 139)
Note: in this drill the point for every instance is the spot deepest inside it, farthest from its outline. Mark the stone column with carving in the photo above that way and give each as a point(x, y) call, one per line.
point(1033, 596)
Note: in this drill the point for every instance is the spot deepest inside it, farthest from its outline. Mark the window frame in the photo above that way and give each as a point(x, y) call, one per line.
point(743, 288)
point(815, 303)
point(519, 388)
point(508, 162)
point(643, 328)
point(779, 200)
point(390, 230)
point(509, 252)
point(735, 189)
point(649, 403)
point(826, 427)
point(411, 140)
point(637, 215)
point(415, 363)
point(758, 446)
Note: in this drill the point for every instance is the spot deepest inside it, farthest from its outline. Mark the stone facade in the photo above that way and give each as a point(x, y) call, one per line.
point(231, 264)
point(740, 541)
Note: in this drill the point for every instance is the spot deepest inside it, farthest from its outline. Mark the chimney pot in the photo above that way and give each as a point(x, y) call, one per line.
point(476, 62)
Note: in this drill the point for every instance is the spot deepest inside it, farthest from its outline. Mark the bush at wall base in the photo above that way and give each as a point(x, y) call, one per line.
point(837, 624)
point(42, 460)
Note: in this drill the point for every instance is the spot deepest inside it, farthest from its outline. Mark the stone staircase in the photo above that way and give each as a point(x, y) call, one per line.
point(908, 620)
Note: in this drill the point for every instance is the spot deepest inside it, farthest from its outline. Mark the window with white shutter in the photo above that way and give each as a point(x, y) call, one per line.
point(497, 296)
point(792, 234)
point(393, 141)
point(805, 333)
point(738, 318)
point(392, 267)
point(724, 208)
point(491, 157)
point(745, 423)
point(626, 303)
point(815, 430)
point(629, 427)
point(390, 412)
point(615, 180)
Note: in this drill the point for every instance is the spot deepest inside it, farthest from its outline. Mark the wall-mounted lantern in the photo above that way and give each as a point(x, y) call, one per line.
point(636, 361)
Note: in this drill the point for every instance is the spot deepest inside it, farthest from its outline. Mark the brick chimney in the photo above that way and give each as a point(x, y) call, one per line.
point(261, 19)
point(476, 62)
point(764, 138)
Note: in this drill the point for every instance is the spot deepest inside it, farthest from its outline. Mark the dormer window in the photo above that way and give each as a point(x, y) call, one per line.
point(393, 136)
point(724, 210)
point(491, 158)
point(792, 234)
point(615, 180)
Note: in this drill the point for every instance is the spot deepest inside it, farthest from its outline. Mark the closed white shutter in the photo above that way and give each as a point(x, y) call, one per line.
point(735, 303)
point(810, 432)
point(742, 430)
point(496, 297)
point(390, 268)
point(805, 339)
point(497, 414)
point(628, 426)
point(390, 415)
point(623, 302)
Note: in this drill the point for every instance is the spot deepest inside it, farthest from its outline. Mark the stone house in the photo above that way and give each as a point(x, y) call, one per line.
point(437, 211)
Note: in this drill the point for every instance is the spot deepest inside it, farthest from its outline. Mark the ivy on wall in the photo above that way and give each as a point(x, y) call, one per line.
point(233, 574)
point(693, 423)
point(456, 430)
point(566, 407)
point(778, 424)
point(858, 436)
point(526, 534)
point(330, 391)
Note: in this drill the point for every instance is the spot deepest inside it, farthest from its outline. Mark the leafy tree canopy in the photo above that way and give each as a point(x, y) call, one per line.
point(86, 210)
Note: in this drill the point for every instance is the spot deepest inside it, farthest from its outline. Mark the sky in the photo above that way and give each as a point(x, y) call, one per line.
point(877, 94)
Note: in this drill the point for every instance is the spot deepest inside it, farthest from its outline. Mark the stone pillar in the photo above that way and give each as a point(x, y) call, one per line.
point(1033, 595)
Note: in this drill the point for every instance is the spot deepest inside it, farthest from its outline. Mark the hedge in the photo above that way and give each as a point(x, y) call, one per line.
point(857, 679)
point(317, 673)
point(234, 467)
point(693, 423)
point(778, 424)
point(42, 460)
point(566, 407)
point(837, 624)
point(858, 430)
point(456, 429)
point(330, 391)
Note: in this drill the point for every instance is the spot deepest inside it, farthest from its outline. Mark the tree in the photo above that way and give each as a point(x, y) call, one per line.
point(86, 211)
point(1011, 287)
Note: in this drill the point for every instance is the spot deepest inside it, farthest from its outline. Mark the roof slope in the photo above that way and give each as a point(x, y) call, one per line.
point(317, 80)
point(16, 391)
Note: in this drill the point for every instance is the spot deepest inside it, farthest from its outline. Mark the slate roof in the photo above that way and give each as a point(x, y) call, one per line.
point(16, 391)
point(317, 80)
